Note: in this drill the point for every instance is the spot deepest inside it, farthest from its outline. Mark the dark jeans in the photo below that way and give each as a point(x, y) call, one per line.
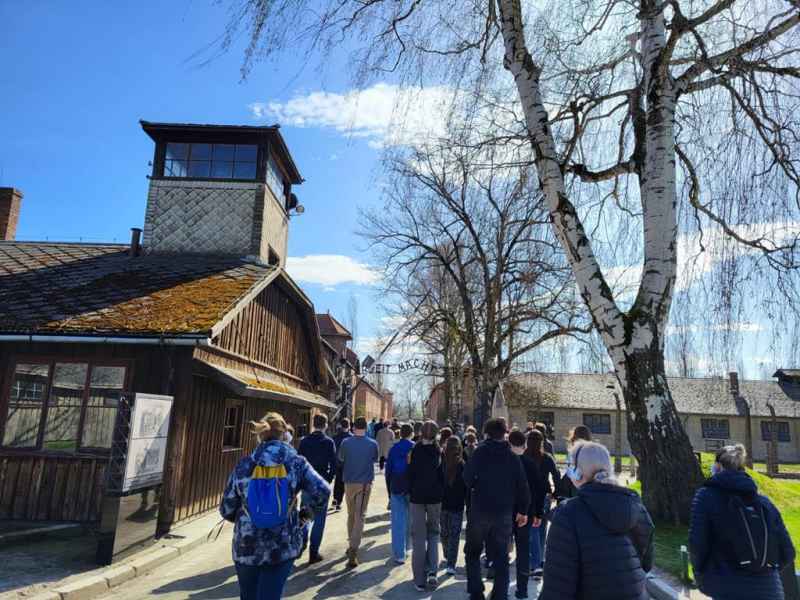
point(317, 527)
point(263, 583)
point(494, 532)
point(338, 487)
point(382, 462)
point(522, 540)
point(451, 535)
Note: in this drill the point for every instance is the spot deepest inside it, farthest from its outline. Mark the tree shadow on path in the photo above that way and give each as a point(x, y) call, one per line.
point(213, 585)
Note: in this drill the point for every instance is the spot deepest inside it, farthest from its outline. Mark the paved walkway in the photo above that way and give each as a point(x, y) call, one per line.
point(207, 573)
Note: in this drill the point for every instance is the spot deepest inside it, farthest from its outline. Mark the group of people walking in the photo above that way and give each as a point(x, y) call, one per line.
point(586, 535)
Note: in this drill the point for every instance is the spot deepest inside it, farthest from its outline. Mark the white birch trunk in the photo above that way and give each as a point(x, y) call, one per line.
point(634, 340)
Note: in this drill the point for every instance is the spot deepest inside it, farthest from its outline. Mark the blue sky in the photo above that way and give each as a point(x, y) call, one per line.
point(75, 83)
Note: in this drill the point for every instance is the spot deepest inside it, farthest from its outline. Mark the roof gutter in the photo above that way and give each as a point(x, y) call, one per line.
point(93, 339)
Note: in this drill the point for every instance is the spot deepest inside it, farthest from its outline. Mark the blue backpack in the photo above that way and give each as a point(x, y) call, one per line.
point(268, 495)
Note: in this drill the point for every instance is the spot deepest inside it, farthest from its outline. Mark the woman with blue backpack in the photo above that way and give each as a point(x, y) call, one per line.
point(261, 499)
point(738, 542)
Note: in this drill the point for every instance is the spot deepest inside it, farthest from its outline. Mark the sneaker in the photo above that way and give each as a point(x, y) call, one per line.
point(352, 559)
point(314, 558)
point(433, 583)
point(420, 588)
point(537, 574)
point(450, 570)
point(400, 561)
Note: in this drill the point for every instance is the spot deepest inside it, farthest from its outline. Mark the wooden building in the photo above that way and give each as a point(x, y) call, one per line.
point(202, 311)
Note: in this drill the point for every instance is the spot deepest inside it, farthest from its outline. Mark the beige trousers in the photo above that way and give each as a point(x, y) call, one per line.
point(357, 497)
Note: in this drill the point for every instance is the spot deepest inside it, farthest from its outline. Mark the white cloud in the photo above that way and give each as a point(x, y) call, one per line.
point(384, 114)
point(330, 270)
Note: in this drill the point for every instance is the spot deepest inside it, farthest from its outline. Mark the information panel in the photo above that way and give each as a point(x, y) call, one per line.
point(147, 444)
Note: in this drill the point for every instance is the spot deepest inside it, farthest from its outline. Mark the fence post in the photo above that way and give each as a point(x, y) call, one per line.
point(685, 566)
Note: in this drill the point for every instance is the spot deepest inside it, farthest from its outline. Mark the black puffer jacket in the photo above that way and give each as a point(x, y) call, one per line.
point(600, 546)
point(496, 480)
point(426, 474)
point(711, 561)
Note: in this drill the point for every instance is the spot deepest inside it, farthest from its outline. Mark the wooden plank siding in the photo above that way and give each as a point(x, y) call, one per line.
point(60, 486)
point(273, 330)
point(31, 488)
point(206, 466)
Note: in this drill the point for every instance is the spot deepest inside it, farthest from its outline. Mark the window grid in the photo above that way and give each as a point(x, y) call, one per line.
point(598, 423)
point(210, 161)
point(232, 428)
point(67, 415)
point(717, 429)
point(546, 417)
point(783, 431)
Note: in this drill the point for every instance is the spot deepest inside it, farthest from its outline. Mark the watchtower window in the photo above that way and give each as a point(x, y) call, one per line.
point(210, 161)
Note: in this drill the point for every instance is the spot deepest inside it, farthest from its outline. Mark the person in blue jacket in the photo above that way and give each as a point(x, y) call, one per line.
point(320, 452)
point(713, 529)
point(264, 556)
point(397, 482)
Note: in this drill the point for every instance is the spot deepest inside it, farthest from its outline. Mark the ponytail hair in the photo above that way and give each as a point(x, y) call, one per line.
point(594, 461)
point(270, 427)
point(733, 457)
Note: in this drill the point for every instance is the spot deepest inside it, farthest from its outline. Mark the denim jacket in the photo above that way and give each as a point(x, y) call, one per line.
point(256, 547)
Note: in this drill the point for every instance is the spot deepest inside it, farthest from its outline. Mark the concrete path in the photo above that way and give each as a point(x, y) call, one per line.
point(207, 572)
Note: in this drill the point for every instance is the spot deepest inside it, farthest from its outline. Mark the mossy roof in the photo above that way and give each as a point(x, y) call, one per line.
point(98, 289)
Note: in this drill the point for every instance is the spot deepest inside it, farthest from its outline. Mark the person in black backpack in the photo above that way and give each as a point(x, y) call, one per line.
point(737, 539)
point(600, 544)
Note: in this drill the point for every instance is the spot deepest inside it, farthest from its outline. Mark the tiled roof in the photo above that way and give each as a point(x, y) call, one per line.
point(97, 289)
point(692, 396)
point(330, 326)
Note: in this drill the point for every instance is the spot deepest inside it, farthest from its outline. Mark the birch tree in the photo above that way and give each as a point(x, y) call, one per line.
point(651, 109)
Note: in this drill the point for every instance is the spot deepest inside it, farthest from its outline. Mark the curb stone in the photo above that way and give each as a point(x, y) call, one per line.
point(152, 560)
point(84, 589)
point(45, 596)
point(118, 575)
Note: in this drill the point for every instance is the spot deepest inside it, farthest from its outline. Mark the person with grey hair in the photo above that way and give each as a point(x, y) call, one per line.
point(600, 544)
point(738, 542)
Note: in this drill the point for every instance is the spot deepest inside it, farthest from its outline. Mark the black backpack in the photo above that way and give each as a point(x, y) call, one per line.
point(751, 535)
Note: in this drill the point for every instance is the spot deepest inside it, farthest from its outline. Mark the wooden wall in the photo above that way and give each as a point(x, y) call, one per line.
point(41, 488)
point(273, 330)
point(37, 485)
point(203, 467)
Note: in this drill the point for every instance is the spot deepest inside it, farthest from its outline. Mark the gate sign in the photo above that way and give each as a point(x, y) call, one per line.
point(147, 444)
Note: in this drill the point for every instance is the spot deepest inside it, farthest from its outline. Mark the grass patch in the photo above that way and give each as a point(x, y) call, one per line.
point(785, 494)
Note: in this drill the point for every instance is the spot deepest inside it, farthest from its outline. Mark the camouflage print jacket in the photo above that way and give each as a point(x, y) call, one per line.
point(252, 546)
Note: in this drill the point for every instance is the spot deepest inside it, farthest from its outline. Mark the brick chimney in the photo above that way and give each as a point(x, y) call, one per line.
point(733, 377)
point(10, 200)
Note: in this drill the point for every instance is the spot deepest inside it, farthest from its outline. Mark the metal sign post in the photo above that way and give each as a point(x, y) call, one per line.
point(135, 472)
